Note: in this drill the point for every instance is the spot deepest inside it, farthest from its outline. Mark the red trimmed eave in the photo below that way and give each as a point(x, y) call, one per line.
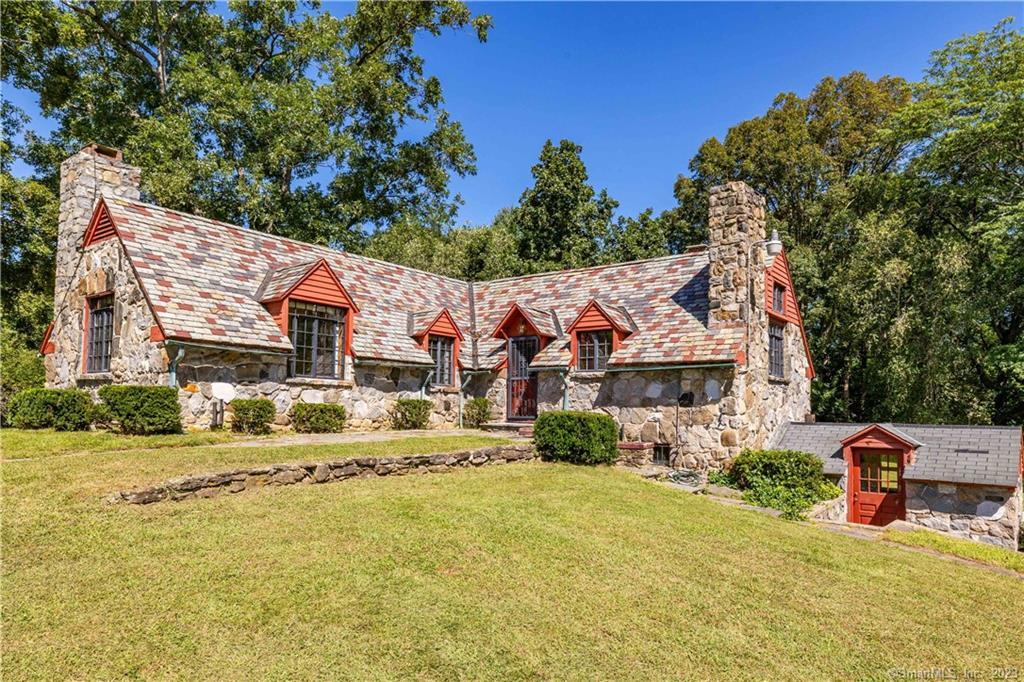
point(871, 431)
point(799, 316)
point(514, 308)
point(321, 262)
point(432, 327)
point(595, 304)
point(47, 346)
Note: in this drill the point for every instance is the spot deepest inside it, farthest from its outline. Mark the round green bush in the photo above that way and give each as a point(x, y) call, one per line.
point(64, 409)
point(576, 437)
point(318, 417)
point(143, 410)
point(411, 413)
point(788, 480)
point(476, 412)
point(252, 416)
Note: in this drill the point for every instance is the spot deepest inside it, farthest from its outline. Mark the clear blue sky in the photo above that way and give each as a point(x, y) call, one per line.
point(641, 85)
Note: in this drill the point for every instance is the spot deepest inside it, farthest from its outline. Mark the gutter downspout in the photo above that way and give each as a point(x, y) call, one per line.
point(172, 368)
point(423, 386)
point(462, 398)
point(565, 389)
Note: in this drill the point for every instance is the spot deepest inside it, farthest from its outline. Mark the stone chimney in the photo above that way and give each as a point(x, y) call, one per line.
point(736, 220)
point(93, 172)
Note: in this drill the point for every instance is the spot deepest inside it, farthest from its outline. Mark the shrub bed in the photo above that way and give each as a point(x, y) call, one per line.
point(252, 415)
point(788, 480)
point(143, 410)
point(476, 412)
point(411, 413)
point(577, 437)
point(63, 409)
point(318, 418)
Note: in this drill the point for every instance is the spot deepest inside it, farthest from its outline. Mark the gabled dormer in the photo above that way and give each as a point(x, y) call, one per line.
point(437, 333)
point(596, 333)
point(523, 320)
point(316, 313)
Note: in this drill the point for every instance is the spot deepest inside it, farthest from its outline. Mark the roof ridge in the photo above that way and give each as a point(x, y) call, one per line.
point(688, 249)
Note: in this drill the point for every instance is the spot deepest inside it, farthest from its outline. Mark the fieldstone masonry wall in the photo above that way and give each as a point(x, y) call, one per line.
point(986, 514)
point(238, 480)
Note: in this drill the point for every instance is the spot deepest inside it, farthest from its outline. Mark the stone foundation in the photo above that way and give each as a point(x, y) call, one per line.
point(637, 454)
point(986, 514)
point(238, 480)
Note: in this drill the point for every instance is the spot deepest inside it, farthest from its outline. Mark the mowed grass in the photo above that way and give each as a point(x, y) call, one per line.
point(965, 549)
point(525, 571)
point(26, 444)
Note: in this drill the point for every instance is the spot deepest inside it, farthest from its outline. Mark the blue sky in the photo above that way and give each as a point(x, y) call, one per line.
point(641, 85)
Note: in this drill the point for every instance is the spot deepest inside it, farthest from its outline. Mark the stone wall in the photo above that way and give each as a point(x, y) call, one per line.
point(369, 393)
point(829, 510)
point(986, 514)
point(238, 480)
point(134, 358)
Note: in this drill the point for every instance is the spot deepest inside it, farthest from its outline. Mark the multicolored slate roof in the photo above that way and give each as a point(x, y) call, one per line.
point(205, 281)
point(980, 455)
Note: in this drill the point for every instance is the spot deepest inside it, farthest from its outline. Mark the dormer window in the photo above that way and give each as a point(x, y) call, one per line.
point(779, 298)
point(594, 349)
point(442, 352)
point(318, 334)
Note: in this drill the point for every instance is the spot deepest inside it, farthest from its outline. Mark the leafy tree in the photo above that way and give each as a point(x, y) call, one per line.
point(561, 221)
point(638, 238)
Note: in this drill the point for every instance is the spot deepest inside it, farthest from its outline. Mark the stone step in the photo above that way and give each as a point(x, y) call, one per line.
point(524, 429)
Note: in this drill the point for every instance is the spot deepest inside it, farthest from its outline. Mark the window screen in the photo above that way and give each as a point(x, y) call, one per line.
point(101, 334)
point(318, 334)
point(594, 349)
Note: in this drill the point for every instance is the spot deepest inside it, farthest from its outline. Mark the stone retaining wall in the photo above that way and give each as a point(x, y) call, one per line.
point(829, 510)
point(237, 480)
point(985, 514)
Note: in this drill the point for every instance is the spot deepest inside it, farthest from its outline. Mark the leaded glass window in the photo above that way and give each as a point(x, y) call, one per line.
point(776, 356)
point(442, 352)
point(318, 334)
point(101, 334)
point(594, 349)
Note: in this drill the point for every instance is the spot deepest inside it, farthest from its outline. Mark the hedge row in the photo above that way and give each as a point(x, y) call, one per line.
point(576, 437)
point(136, 409)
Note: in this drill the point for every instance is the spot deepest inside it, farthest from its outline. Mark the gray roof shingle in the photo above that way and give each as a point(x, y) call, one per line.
point(980, 455)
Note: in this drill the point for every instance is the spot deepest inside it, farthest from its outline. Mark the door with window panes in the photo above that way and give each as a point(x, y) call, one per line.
point(877, 480)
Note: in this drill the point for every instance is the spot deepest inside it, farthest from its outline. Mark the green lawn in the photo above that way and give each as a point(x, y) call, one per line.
point(21, 444)
point(533, 571)
point(966, 549)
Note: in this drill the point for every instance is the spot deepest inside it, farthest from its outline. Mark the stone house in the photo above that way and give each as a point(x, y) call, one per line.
point(964, 480)
point(701, 353)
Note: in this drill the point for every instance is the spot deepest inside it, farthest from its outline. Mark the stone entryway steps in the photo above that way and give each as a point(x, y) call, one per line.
point(523, 429)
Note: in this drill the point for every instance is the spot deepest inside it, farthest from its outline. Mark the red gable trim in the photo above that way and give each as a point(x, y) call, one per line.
point(876, 434)
point(320, 285)
point(47, 346)
point(779, 273)
point(594, 316)
point(513, 310)
point(101, 225)
point(442, 325)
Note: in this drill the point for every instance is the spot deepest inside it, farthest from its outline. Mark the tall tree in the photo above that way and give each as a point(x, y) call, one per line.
point(278, 116)
point(561, 221)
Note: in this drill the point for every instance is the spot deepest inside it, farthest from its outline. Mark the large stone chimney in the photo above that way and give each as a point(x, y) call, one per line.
point(93, 172)
point(736, 220)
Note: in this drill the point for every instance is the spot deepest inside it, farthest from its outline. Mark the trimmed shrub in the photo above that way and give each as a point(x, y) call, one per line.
point(577, 437)
point(318, 417)
point(72, 410)
point(476, 412)
point(411, 413)
point(64, 409)
point(100, 416)
point(252, 415)
point(788, 480)
point(142, 410)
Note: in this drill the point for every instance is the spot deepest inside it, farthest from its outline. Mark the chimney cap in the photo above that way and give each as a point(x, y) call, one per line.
point(96, 149)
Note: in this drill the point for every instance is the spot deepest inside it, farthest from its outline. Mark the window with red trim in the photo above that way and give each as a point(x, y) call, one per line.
point(100, 333)
point(594, 349)
point(779, 298)
point(442, 352)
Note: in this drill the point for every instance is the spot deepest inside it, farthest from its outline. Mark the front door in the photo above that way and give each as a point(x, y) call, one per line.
point(522, 384)
point(877, 480)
